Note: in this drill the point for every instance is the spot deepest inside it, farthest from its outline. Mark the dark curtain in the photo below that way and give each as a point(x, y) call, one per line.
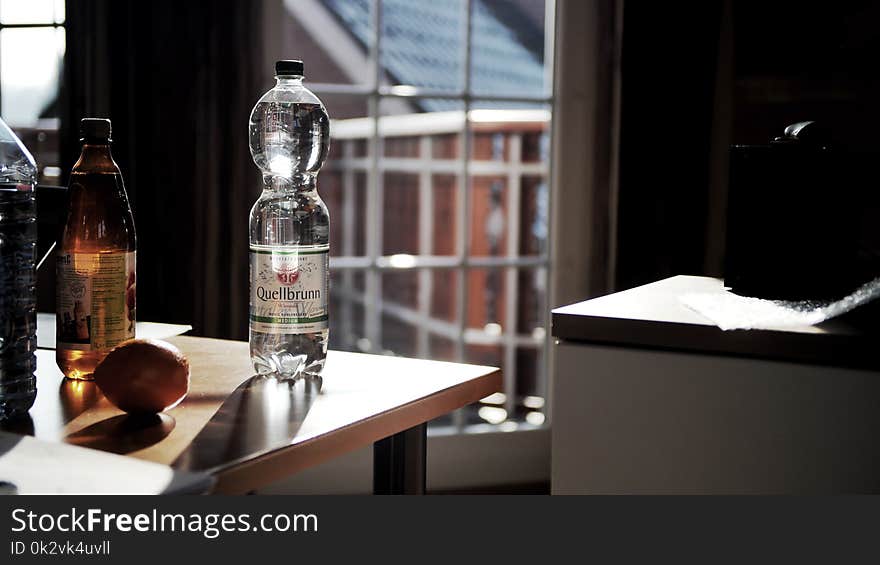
point(585, 147)
point(178, 79)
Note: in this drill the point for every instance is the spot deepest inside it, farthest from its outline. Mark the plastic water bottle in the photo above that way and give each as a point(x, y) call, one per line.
point(289, 230)
point(18, 251)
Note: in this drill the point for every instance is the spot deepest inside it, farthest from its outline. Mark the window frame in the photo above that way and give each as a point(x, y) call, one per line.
point(375, 263)
point(587, 67)
point(54, 25)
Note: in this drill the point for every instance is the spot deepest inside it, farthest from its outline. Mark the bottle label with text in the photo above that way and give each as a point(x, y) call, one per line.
point(289, 289)
point(96, 300)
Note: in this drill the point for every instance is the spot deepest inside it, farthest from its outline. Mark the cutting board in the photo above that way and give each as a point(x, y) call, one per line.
point(76, 412)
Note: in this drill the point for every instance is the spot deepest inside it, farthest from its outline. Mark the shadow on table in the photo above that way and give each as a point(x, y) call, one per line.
point(262, 414)
point(124, 433)
point(7, 443)
point(21, 424)
point(76, 397)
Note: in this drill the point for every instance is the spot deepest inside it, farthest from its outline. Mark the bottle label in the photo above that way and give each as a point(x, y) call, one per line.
point(290, 288)
point(96, 300)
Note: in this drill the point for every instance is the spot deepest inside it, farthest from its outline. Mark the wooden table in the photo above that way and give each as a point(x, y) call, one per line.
point(264, 429)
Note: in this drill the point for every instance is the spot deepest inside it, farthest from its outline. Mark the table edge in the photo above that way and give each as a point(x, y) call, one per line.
point(285, 461)
point(835, 350)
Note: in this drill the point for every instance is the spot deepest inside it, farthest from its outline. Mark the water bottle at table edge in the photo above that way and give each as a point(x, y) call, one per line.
point(289, 134)
point(18, 248)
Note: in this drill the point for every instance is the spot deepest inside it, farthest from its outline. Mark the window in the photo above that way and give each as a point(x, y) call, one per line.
point(32, 44)
point(437, 183)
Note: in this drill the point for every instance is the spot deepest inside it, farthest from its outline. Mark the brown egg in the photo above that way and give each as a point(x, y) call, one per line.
point(144, 376)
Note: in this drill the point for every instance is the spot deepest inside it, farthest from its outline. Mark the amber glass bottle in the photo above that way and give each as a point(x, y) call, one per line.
point(96, 259)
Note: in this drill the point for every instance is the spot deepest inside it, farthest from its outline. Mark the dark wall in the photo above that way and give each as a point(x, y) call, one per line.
point(785, 62)
point(668, 79)
point(807, 61)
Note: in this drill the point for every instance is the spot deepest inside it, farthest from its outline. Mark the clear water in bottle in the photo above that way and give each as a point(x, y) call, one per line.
point(18, 249)
point(289, 230)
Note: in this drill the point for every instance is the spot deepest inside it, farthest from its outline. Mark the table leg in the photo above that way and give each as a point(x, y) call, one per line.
point(399, 462)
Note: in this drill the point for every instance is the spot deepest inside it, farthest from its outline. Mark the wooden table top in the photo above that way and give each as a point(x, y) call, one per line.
point(266, 429)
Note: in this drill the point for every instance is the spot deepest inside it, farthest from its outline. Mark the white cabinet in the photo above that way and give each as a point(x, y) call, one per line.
point(649, 413)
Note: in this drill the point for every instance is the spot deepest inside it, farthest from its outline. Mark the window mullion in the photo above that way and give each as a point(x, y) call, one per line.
point(464, 199)
point(348, 217)
point(373, 318)
point(426, 242)
point(511, 287)
point(549, 302)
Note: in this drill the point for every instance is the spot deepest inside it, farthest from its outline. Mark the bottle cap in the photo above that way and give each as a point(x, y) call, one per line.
point(289, 68)
point(94, 130)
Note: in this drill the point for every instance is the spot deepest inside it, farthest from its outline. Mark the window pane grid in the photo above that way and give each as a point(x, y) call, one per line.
point(441, 146)
point(31, 116)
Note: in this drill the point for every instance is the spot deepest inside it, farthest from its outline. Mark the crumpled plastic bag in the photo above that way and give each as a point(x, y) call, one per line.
point(730, 311)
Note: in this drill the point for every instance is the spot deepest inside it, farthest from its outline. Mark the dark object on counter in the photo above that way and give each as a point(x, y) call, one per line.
point(795, 219)
point(51, 213)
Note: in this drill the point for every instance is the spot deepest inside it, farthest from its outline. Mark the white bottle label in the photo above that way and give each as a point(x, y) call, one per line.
point(95, 300)
point(290, 289)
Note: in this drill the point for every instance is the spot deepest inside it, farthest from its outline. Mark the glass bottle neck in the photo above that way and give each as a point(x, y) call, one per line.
point(95, 156)
point(96, 147)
